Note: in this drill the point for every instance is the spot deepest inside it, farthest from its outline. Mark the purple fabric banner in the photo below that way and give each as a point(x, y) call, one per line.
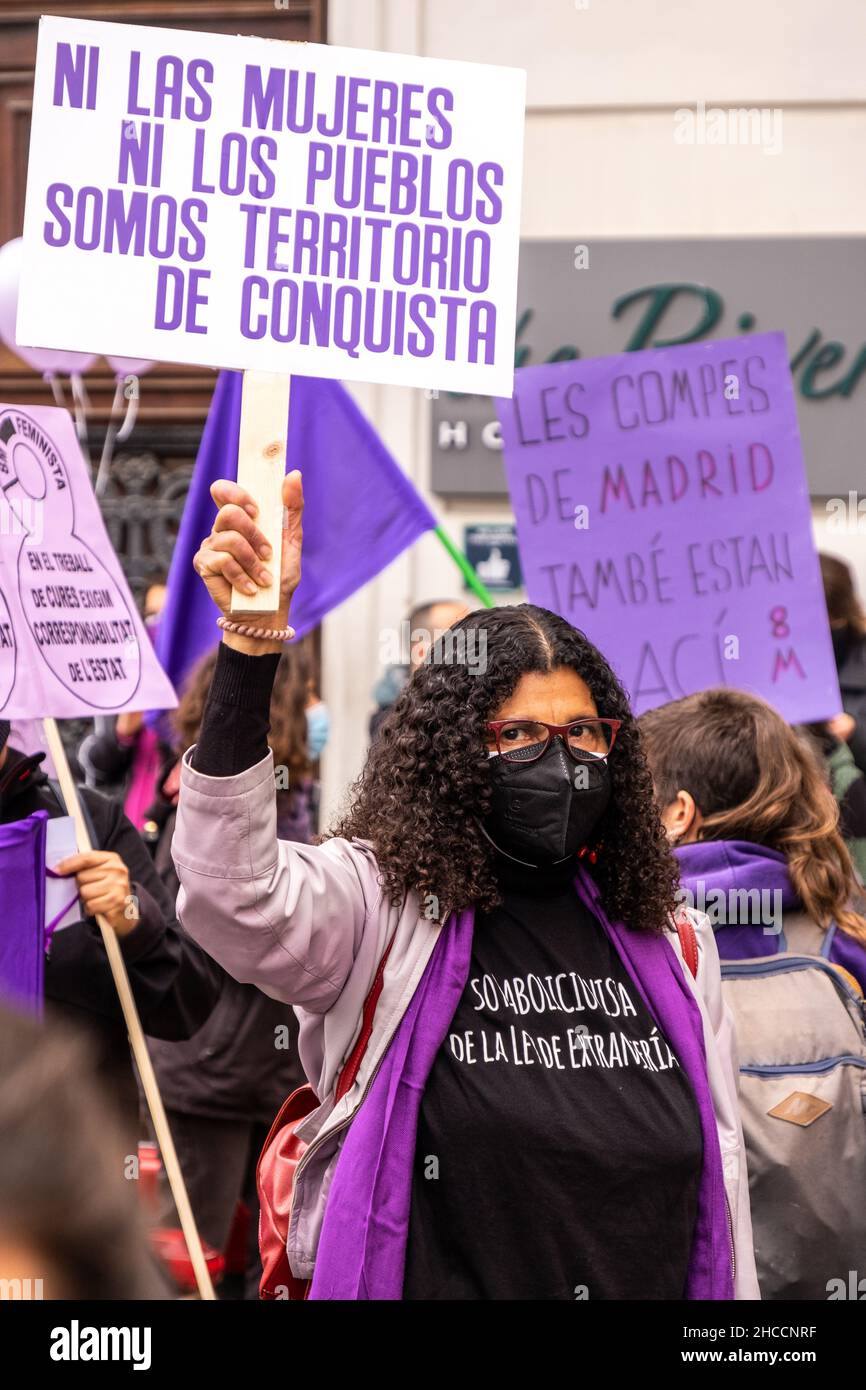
point(360, 512)
point(662, 507)
point(362, 1249)
point(22, 908)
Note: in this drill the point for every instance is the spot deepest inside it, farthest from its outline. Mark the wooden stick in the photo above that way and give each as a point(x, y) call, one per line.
point(262, 446)
point(134, 1028)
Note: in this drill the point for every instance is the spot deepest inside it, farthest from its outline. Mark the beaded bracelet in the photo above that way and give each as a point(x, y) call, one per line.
point(266, 634)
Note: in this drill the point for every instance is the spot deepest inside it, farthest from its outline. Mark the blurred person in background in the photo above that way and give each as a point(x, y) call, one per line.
point(848, 630)
point(223, 1088)
point(69, 1217)
point(423, 625)
point(848, 785)
point(174, 982)
point(124, 758)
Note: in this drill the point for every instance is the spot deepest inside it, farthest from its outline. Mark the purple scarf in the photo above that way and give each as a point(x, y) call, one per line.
point(658, 975)
point(22, 896)
point(362, 1248)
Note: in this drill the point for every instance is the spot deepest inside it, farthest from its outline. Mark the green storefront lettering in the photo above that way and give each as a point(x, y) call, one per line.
point(812, 360)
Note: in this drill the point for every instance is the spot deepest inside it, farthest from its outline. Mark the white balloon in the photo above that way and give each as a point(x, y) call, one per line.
point(40, 359)
point(129, 366)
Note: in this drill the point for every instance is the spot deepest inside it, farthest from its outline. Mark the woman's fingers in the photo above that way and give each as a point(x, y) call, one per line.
point(224, 491)
point(237, 551)
point(293, 531)
point(240, 550)
point(234, 518)
point(102, 874)
point(212, 563)
point(78, 863)
point(102, 902)
point(293, 492)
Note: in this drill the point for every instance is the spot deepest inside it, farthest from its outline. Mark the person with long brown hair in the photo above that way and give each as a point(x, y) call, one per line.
point(753, 822)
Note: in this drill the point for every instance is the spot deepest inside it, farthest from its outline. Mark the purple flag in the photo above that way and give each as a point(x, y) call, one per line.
point(22, 894)
point(662, 507)
point(361, 512)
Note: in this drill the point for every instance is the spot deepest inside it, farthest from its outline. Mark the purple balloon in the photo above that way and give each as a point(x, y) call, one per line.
point(129, 366)
point(40, 359)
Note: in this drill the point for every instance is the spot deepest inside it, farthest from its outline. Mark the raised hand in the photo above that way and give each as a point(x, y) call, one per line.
point(237, 554)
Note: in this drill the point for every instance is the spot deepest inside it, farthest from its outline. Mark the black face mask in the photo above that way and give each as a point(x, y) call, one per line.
point(545, 811)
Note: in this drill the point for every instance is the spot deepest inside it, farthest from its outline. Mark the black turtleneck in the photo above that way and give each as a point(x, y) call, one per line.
point(543, 882)
point(236, 715)
point(559, 1148)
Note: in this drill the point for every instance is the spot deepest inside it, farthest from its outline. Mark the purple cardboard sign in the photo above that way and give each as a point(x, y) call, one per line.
point(71, 640)
point(662, 507)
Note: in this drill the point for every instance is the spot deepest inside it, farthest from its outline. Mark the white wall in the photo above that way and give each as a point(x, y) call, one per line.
point(605, 78)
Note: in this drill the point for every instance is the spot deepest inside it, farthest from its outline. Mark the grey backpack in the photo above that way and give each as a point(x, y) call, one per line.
point(801, 1040)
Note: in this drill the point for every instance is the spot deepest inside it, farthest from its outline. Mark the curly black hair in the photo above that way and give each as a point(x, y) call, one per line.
point(426, 781)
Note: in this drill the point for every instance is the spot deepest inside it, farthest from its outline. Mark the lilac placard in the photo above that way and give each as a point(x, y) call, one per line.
point(662, 507)
point(71, 640)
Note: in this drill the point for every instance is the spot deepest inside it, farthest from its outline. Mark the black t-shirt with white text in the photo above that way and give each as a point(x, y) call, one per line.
point(559, 1147)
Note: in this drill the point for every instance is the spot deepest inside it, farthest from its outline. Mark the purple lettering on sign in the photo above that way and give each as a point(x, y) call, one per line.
point(71, 641)
point(221, 200)
point(75, 76)
point(662, 508)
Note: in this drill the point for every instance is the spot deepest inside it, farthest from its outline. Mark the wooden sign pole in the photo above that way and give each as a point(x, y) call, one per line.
point(262, 448)
point(134, 1029)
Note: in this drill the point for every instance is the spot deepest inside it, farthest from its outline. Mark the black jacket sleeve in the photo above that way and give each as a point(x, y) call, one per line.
point(174, 982)
point(236, 716)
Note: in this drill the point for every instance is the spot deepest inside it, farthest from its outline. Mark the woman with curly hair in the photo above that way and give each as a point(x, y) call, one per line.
point(546, 1104)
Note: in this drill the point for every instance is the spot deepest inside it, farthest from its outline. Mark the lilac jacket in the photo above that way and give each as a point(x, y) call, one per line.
point(309, 924)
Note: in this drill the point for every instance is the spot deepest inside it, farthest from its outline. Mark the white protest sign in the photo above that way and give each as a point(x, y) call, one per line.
point(288, 208)
point(71, 640)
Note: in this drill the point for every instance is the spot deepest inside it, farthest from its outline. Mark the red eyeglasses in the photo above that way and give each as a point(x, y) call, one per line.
point(525, 740)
